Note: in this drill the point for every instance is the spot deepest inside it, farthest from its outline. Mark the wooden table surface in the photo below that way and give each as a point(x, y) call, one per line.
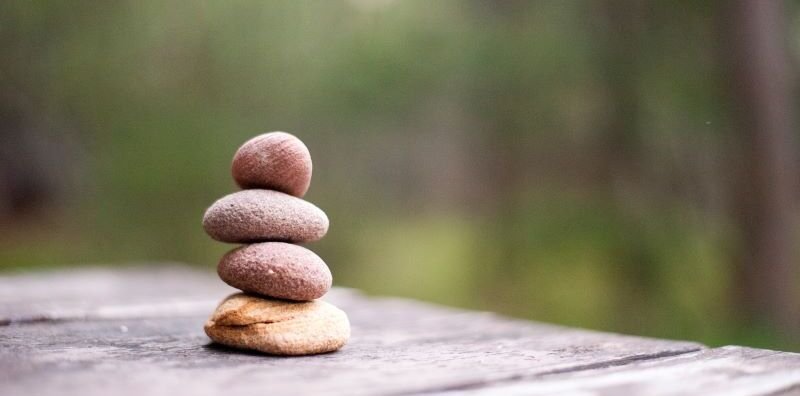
point(138, 331)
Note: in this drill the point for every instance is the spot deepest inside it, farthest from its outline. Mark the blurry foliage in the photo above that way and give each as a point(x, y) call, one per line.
point(460, 147)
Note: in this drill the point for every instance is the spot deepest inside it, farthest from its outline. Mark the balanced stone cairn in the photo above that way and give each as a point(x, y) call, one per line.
point(278, 313)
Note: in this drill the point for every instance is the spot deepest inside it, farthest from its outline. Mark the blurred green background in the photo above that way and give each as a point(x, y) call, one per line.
point(604, 164)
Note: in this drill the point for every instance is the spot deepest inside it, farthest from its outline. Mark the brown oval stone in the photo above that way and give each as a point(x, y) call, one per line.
point(278, 327)
point(276, 269)
point(264, 215)
point(273, 161)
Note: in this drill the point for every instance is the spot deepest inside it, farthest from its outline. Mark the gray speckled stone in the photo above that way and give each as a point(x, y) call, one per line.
point(274, 161)
point(264, 215)
point(276, 269)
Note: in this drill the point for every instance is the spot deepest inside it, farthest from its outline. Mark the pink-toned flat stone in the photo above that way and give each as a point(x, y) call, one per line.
point(273, 161)
point(263, 215)
point(276, 269)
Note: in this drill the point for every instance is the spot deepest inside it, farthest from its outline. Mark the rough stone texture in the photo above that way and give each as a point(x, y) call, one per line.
point(263, 215)
point(273, 161)
point(241, 309)
point(278, 327)
point(276, 269)
point(139, 332)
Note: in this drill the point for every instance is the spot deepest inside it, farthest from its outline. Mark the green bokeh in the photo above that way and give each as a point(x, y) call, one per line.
point(457, 148)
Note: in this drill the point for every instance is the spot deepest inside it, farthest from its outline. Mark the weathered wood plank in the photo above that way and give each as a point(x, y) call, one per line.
point(162, 290)
point(135, 332)
point(730, 370)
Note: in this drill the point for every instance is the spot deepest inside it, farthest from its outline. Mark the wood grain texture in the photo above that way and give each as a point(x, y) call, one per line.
point(139, 331)
point(730, 370)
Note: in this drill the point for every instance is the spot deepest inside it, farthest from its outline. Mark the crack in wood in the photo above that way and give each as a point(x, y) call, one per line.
point(522, 377)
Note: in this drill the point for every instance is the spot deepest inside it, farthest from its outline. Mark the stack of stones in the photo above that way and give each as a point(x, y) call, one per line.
point(278, 313)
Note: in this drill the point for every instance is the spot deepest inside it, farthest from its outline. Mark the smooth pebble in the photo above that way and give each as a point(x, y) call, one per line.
point(276, 269)
point(273, 161)
point(264, 215)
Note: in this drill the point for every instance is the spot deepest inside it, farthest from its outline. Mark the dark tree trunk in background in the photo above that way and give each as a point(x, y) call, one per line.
point(623, 24)
point(756, 32)
point(37, 164)
point(621, 38)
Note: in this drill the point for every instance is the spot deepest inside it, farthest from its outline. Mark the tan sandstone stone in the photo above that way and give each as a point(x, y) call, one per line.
point(278, 327)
